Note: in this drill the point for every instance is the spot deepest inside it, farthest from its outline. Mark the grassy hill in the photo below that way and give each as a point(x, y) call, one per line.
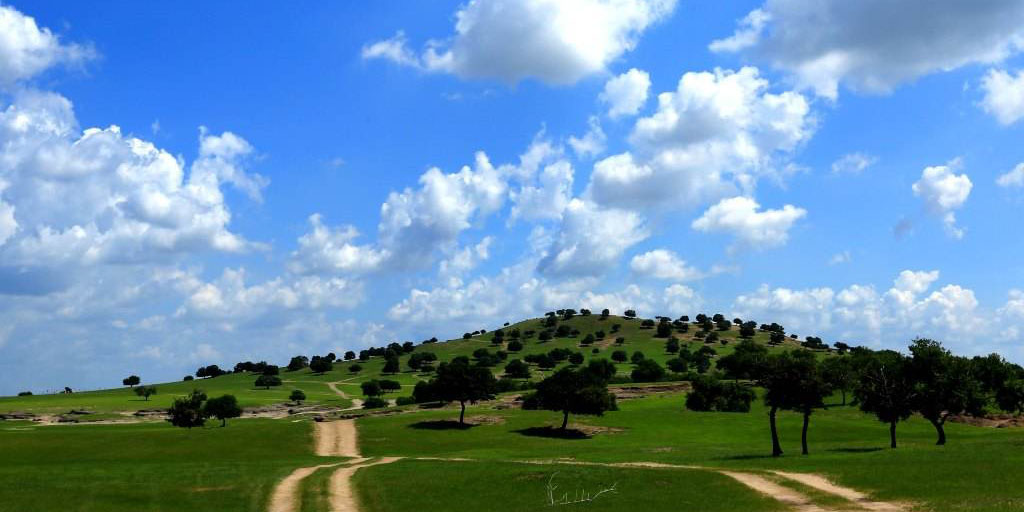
point(651, 453)
point(109, 403)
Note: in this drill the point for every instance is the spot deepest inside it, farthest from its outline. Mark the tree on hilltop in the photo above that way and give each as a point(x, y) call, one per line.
point(131, 381)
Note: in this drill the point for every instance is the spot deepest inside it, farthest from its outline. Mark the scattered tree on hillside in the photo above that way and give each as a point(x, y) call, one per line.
point(271, 369)
point(516, 369)
point(620, 356)
point(222, 408)
point(266, 381)
point(746, 362)
point(629, 313)
point(571, 391)
point(349, 355)
point(187, 411)
point(514, 346)
point(711, 394)
point(840, 374)
point(458, 381)
point(576, 358)
point(637, 357)
point(391, 365)
point(672, 345)
point(943, 385)
point(145, 391)
point(647, 370)
point(371, 388)
point(131, 381)
point(297, 396)
point(299, 362)
point(886, 389)
point(355, 368)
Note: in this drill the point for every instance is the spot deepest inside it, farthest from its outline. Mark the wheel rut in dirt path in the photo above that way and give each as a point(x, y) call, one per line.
point(356, 402)
point(793, 499)
point(336, 438)
point(825, 485)
point(343, 497)
point(285, 497)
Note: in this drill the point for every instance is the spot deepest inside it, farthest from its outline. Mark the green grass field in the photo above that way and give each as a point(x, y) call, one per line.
point(153, 466)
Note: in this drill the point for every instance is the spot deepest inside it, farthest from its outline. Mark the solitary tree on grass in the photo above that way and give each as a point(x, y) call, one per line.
point(145, 391)
point(297, 396)
point(886, 389)
point(266, 381)
point(222, 408)
point(459, 381)
point(187, 411)
point(131, 381)
point(570, 391)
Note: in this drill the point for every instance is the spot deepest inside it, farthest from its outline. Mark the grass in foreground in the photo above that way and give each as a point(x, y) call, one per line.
point(978, 470)
point(429, 486)
point(148, 467)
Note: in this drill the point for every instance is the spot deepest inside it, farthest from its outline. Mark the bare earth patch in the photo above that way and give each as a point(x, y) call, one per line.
point(343, 498)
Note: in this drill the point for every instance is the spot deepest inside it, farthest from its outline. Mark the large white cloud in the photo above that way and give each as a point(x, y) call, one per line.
point(555, 41)
point(591, 240)
point(943, 192)
point(420, 225)
point(875, 45)
point(1004, 95)
point(27, 50)
point(99, 197)
point(717, 132)
point(740, 217)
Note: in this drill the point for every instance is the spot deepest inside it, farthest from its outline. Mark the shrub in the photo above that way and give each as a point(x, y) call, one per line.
point(405, 400)
point(647, 370)
point(266, 381)
point(374, 402)
point(355, 368)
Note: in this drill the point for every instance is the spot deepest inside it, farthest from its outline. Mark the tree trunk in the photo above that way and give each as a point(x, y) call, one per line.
point(803, 433)
point(941, 430)
point(892, 435)
point(223, 422)
point(776, 448)
point(843, 391)
point(462, 415)
point(565, 419)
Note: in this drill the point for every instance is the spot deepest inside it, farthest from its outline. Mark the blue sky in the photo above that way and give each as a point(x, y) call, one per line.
point(785, 161)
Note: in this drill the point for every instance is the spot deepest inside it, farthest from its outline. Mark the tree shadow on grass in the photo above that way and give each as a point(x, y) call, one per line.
point(856, 450)
point(747, 457)
point(553, 433)
point(441, 425)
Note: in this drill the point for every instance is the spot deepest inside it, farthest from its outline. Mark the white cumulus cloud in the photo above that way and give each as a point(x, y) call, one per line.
point(554, 41)
point(740, 217)
point(626, 94)
point(663, 264)
point(1003, 95)
point(943, 192)
point(875, 45)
